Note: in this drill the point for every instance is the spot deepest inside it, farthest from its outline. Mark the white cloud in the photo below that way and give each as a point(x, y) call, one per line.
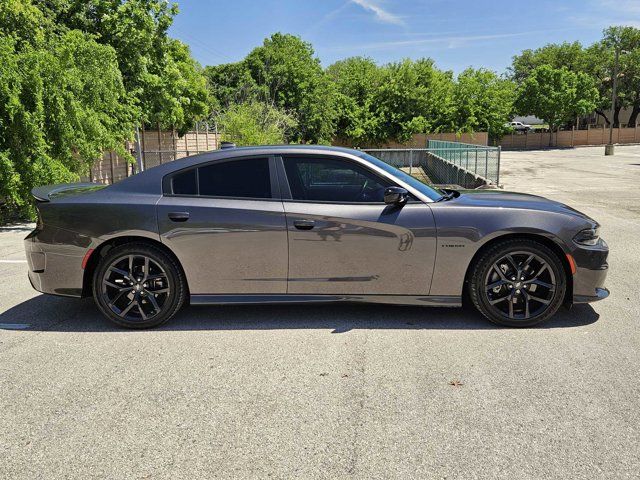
point(379, 12)
point(327, 18)
point(622, 6)
point(603, 13)
point(450, 41)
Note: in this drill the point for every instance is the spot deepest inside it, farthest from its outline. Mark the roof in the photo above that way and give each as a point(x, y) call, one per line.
point(150, 180)
point(288, 147)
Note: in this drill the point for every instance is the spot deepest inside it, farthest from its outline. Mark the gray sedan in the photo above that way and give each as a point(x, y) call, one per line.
point(308, 224)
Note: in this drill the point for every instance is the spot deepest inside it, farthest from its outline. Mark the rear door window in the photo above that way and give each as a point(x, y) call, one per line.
point(243, 178)
point(237, 178)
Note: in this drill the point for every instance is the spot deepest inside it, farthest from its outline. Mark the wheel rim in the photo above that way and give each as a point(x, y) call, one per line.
point(520, 285)
point(135, 287)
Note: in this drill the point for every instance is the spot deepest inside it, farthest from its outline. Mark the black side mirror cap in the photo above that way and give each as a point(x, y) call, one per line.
point(395, 196)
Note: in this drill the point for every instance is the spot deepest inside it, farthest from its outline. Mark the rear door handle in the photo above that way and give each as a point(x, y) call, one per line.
point(178, 216)
point(304, 224)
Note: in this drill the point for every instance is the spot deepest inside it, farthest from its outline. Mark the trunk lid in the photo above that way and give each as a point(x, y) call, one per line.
point(49, 193)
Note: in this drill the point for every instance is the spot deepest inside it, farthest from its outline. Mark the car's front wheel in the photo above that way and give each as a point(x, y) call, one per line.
point(518, 283)
point(138, 286)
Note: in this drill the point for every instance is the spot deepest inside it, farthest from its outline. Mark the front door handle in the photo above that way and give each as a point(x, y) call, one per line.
point(304, 224)
point(178, 216)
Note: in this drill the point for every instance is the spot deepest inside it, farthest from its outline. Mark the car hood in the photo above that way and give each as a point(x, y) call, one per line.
point(502, 199)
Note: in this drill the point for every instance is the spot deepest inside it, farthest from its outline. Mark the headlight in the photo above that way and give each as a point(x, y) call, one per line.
point(589, 237)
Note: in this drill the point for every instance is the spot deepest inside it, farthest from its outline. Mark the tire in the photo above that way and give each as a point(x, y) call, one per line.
point(138, 286)
point(498, 291)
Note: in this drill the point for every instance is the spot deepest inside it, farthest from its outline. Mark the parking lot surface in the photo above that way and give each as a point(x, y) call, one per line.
point(336, 391)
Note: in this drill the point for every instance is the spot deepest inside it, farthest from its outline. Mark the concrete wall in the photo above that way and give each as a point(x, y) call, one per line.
point(442, 172)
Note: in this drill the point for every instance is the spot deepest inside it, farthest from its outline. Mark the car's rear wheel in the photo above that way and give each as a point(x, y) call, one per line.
point(138, 286)
point(518, 283)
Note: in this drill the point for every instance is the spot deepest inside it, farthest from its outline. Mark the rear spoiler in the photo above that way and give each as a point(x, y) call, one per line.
point(47, 192)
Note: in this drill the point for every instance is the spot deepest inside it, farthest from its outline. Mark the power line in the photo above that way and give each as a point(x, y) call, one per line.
point(203, 46)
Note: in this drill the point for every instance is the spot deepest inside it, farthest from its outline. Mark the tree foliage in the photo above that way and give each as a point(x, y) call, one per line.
point(357, 81)
point(392, 102)
point(229, 84)
point(414, 97)
point(483, 101)
point(255, 123)
point(556, 95)
point(597, 61)
point(557, 55)
point(357, 100)
point(61, 107)
point(626, 41)
point(76, 77)
point(291, 78)
point(158, 72)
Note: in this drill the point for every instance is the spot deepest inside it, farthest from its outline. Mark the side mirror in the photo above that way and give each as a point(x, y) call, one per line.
point(395, 196)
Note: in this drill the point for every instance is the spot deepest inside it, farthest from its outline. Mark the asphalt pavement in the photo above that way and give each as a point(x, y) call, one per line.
point(336, 391)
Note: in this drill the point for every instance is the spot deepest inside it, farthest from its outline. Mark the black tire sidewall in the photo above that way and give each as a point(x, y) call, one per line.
point(174, 275)
point(481, 269)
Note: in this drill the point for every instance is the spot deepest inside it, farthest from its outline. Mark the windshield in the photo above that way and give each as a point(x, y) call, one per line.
point(431, 192)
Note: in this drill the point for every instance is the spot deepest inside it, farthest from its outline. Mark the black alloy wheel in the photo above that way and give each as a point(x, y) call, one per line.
point(518, 283)
point(138, 286)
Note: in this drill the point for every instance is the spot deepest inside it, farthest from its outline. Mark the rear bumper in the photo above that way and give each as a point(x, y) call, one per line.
point(54, 268)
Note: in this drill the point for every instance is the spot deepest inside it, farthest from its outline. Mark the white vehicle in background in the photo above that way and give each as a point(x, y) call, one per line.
point(519, 127)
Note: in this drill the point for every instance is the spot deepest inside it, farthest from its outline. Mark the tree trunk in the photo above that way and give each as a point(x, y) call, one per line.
point(616, 116)
point(634, 114)
point(603, 115)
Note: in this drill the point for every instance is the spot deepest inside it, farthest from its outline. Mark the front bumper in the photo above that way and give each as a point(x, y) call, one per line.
point(591, 273)
point(54, 268)
point(601, 294)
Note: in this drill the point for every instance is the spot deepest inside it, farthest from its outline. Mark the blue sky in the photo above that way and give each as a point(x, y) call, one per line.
point(456, 34)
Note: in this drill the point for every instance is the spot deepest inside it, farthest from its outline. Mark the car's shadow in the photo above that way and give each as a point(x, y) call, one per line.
point(47, 313)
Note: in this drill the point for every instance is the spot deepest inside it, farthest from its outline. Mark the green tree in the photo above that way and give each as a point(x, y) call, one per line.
point(556, 95)
point(177, 95)
point(557, 55)
point(291, 78)
point(356, 80)
point(626, 41)
point(570, 55)
point(482, 102)
point(255, 123)
point(596, 60)
point(62, 102)
point(414, 97)
point(157, 71)
point(230, 83)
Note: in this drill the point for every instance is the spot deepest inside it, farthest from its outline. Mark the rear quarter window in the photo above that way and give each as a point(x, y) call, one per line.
point(184, 183)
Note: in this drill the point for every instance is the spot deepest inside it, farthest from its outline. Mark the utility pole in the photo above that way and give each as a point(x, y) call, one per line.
point(139, 161)
point(609, 149)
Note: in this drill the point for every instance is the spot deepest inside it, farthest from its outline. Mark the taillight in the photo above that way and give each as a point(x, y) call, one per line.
point(39, 224)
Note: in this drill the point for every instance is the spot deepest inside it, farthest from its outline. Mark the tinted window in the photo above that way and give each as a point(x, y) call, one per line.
point(320, 179)
point(185, 183)
point(425, 189)
point(236, 178)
